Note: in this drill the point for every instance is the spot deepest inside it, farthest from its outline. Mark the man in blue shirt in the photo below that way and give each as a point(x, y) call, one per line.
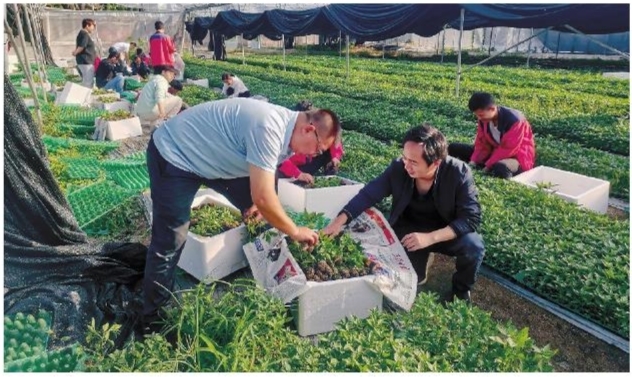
point(232, 146)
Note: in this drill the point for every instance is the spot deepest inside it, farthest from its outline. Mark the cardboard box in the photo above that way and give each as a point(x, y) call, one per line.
point(327, 200)
point(588, 192)
point(207, 258)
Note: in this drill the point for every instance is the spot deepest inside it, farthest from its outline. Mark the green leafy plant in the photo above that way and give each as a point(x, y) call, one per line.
point(117, 115)
point(320, 182)
point(209, 220)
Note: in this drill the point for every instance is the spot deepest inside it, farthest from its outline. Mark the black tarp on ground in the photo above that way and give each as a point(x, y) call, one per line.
point(383, 21)
point(48, 262)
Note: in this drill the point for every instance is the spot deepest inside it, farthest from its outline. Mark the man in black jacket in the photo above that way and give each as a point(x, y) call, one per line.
point(435, 207)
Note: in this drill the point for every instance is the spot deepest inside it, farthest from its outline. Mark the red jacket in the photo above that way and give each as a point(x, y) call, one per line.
point(161, 49)
point(290, 166)
point(516, 140)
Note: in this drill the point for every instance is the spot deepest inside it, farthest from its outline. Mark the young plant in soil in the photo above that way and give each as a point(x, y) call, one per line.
point(320, 182)
point(108, 99)
point(100, 92)
point(210, 220)
point(333, 258)
point(117, 115)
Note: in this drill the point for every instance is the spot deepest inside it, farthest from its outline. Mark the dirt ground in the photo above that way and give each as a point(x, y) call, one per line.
point(578, 351)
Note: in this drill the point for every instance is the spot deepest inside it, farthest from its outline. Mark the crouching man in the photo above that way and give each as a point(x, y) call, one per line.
point(435, 207)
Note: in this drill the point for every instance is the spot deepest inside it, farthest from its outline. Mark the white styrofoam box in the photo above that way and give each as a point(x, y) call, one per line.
point(74, 94)
point(617, 75)
point(325, 304)
point(61, 62)
point(29, 102)
point(72, 71)
point(25, 84)
point(117, 130)
point(110, 94)
point(215, 257)
point(328, 200)
point(113, 106)
point(202, 82)
point(588, 192)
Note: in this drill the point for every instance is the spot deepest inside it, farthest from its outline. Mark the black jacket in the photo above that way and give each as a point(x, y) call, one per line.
point(454, 193)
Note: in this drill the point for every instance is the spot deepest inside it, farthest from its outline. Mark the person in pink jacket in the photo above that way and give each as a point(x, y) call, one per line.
point(161, 49)
point(304, 167)
point(504, 145)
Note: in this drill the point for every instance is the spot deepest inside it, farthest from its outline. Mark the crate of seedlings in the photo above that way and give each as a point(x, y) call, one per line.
point(98, 94)
point(214, 247)
point(94, 201)
point(77, 115)
point(117, 125)
point(112, 104)
point(326, 195)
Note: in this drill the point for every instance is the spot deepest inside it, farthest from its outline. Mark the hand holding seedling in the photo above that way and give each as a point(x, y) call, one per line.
point(253, 213)
point(335, 162)
point(335, 226)
point(305, 235)
point(417, 241)
point(305, 177)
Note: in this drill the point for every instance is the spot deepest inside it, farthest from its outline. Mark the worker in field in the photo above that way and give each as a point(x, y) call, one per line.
point(175, 87)
point(161, 48)
point(504, 145)
point(435, 207)
point(155, 104)
point(109, 75)
point(232, 146)
point(233, 86)
point(303, 167)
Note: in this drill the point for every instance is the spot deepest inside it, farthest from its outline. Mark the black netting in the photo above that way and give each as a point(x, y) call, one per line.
point(48, 261)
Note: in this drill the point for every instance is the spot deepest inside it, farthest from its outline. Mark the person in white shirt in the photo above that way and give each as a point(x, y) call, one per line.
point(233, 86)
point(155, 103)
point(123, 48)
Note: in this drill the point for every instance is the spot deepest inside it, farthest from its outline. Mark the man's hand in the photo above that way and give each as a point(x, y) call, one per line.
point(305, 235)
point(308, 178)
point(253, 213)
point(74, 52)
point(473, 165)
point(417, 241)
point(335, 226)
point(335, 162)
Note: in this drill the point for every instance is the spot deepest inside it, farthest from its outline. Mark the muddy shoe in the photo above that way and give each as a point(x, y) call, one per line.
point(422, 279)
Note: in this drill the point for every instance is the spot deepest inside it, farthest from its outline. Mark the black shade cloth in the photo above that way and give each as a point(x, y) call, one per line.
point(48, 262)
point(383, 21)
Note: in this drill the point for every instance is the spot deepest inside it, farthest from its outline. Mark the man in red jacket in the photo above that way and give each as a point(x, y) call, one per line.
point(161, 48)
point(504, 144)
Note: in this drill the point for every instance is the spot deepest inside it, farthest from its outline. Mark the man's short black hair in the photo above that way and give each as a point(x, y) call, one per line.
point(304, 106)
point(139, 51)
point(87, 22)
point(176, 84)
point(481, 101)
point(159, 25)
point(226, 75)
point(435, 146)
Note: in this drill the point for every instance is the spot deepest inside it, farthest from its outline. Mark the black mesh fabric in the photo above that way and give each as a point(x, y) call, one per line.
point(48, 261)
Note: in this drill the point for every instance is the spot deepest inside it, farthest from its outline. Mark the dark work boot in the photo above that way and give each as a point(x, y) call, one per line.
point(462, 295)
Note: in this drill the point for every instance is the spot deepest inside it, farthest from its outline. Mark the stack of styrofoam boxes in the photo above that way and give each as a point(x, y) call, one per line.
point(326, 200)
point(325, 304)
point(215, 257)
point(117, 130)
point(588, 192)
point(73, 94)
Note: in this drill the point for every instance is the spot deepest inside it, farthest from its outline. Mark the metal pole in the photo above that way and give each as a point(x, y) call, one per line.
point(283, 42)
point(491, 41)
point(340, 42)
point(507, 49)
point(557, 49)
point(529, 48)
point(383, 47)
point(347, 55)
point(598, 42)
point(27, 69)
point(458, 64)
point(243, 53)
point(443, 44)
point(41, 70)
